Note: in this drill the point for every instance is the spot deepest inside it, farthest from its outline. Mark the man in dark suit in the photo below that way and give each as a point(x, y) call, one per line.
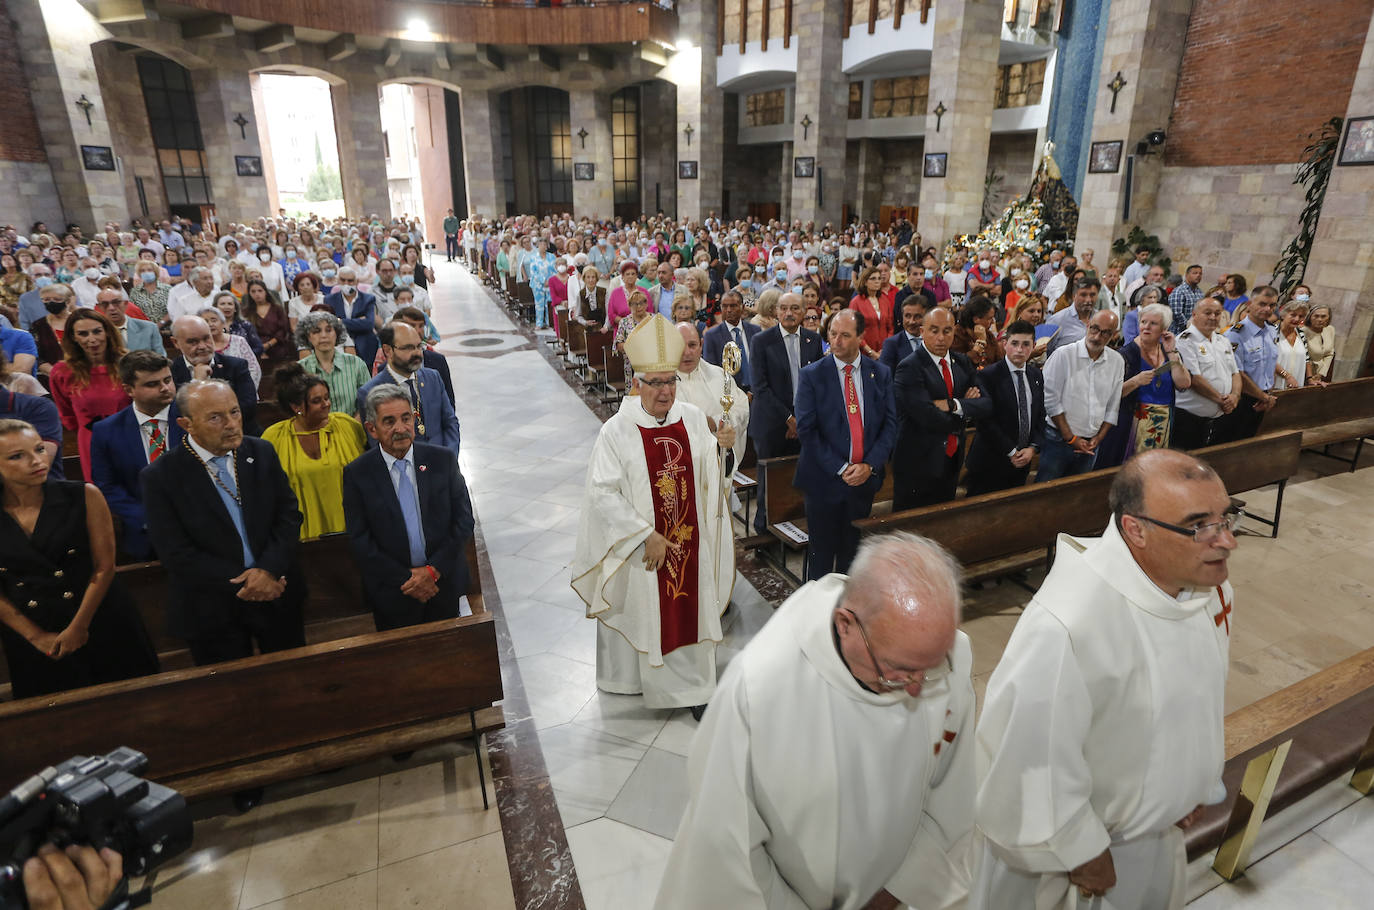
point(847, 423)
point(415, 318)
point(1010, 436)
point(780, 354)
point(358, 312)
point(223, 519)
point(128, 441)
point(732, 328)
point(409, 518)
point(435, 422)
point(935, 397)
point(226, 525)
point(199, 360)
point(902, 345)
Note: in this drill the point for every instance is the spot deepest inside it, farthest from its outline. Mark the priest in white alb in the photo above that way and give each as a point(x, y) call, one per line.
point(835, 764)
point(655, 558)
point(1101, 735)
point(704, 384)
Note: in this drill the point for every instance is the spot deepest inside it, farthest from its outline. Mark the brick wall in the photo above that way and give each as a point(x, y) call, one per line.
point(1257, 78)
point(20, 139)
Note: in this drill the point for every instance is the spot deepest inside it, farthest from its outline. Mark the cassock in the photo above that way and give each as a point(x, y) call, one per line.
point(657, 631)
point(1102, 727)
point(703, 386)
point(810, 791)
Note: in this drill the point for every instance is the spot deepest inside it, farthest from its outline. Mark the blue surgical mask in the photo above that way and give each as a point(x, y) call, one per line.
point(930, 273)
point(1303, 298)
point(1055, 266)
point(814, 269)
point(407, 280)
point(43, 281)
point(796, 289)
point(329, 273)
point(147, 277)
point(290, 254)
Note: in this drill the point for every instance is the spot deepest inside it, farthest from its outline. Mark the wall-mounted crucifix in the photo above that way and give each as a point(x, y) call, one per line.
point(85, 104)
point(806, 126)
point(241, 121)
point(689, 131)
point(1116, 85)
point(583, 134)
point(940, 111)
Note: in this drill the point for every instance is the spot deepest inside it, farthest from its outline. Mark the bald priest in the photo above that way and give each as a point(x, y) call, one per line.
point(655, 560)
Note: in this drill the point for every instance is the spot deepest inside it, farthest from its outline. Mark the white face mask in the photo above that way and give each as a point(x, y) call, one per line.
point(984, 264)
point(92, 274)
point(1022, 284)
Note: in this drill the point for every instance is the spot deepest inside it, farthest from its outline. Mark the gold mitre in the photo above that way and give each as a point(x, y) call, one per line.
point(655, 346)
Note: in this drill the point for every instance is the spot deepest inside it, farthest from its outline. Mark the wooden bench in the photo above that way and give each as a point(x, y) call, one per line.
point(977, 529)
point(1282, 748)
point(785, 507)
point(1340, 412)
point(351, 694)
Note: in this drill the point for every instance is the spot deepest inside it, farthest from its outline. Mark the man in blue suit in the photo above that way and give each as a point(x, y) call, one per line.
point(732, 328)
point(780, 354)
point(200, 360)
point(358, 312)
point(126, 442)
point(409, 518)
point(847, 421)
point(902, 345)
point(435, 422)
point(138, 334)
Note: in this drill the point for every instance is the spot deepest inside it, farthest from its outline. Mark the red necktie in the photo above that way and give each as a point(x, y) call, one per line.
point(952, 443)
point(856, 421)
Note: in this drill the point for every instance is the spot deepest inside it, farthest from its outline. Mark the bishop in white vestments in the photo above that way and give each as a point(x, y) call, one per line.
point(1102, 728)
point(655, 559)
point(835, 761)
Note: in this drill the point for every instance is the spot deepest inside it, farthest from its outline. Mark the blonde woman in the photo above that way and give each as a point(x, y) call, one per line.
point(1321, 339)
point(767, 309)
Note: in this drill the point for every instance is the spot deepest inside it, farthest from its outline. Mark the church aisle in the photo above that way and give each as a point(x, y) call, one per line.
point(618, 769)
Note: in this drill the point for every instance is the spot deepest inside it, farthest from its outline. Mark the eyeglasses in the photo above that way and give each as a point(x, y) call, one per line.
point(659, 383)
point(1203, 534)
point(934, 674)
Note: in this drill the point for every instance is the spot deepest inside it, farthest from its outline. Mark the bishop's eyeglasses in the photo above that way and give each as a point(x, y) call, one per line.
point(1201, 533)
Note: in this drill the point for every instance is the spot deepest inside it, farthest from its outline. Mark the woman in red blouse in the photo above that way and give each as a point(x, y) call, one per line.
point(877, 311)
point(85, 385)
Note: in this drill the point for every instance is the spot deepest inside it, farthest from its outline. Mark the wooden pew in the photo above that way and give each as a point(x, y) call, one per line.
point(337, 701)
point(786, 509)
point(1284, 747)
point(594, 369)
point(576, 351)
point(1340, 412)
point(617, 383)
point(977, 529)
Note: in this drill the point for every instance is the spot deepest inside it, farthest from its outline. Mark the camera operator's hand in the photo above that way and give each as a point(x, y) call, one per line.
point(77, 879)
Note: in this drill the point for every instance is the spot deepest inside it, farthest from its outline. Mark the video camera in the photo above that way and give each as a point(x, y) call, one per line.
point(101, 802)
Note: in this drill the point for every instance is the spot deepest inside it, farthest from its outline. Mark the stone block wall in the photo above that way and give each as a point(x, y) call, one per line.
point(1012, 156)
point(1227, 219)
point(30, 195)
point(658, 145)
point(129, 131)
point(903, 160)
point(20, 139)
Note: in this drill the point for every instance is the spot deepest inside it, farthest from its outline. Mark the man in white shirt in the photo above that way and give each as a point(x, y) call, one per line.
point(192, 295)
point(1139, 267)
point(1072, 321)
point(1216, 386)
point(1101, 732)
point(833, 765)
point(1082, 397)
point(84, 285)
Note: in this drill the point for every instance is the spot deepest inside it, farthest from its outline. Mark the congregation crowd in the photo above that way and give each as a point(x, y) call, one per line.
point(222, 399)
point(1056, 364)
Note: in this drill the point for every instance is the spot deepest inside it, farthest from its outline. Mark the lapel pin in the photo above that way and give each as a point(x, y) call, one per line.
point(249, 459)
point(424, 468)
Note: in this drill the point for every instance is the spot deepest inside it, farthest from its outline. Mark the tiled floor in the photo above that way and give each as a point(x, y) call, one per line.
point(414, 835)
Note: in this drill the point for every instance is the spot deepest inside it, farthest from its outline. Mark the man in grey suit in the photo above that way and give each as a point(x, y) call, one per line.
point(139, 334)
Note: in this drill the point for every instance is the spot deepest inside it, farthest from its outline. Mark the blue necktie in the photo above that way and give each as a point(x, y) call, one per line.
point(410, 512)
point(743, 379)
point(226, 477)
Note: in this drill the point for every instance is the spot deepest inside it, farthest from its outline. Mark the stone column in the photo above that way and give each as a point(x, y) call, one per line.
point(362, 160)
point(870, 180)
point(220, 95)
point(962, 74)
point(701, 105)
point(1341, 267)
point(1151, 75)
point(129, 130)
point(785, 183)
point(822, 95)
point(55, 39)
point(482, 153)
point(657, 147)
point(591, 111)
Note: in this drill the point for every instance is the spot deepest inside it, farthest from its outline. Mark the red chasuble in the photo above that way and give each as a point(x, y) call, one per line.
point(669, 456)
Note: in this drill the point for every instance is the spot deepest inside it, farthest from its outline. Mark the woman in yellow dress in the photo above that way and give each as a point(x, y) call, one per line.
point(313, 446)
